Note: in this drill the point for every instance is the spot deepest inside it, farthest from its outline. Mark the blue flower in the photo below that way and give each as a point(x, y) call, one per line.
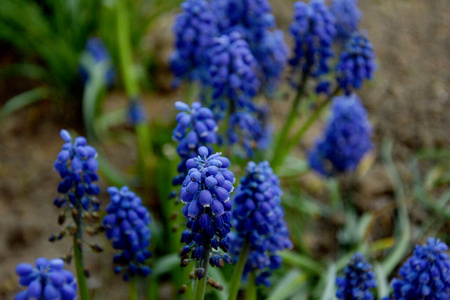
point(194, 31)
point(77, 166)
point(357, 62)
point(96, 54)
point(47, 280)
point(250, 129)
point(254, 21)
point(206, 194)
point(136, 112)
point(259, 217)
point(233, 71)
point(251, 18)
point(347, 16)
point(195, 127)
point(271, 53)
point(347, 138)
point(126, 225)
point(357, 281)
point(313, 30)
point(426, 274)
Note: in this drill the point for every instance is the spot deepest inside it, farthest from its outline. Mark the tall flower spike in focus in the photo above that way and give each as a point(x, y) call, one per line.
point(357, 281)
point(196, 127)
point(313, 29)
point(346, 140)
point(347, 16)
point(47, 280)
point(126, 224)
point(194, 31)
point(77, 165)
point(96, 54)
point(426, 274)
point(357, 63)
point(259, 220)
point(206, 194)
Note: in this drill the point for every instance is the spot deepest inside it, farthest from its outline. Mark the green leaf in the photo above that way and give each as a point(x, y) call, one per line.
point(301, 261)
point(293, 166)
point(22, 100)
point(330, 289)
point(217, 275)
point(382, 287)
point(288, 285)
point(166, 264)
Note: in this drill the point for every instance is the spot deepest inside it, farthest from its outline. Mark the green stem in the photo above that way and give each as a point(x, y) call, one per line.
point(293, 114)
point(251, 287)
point(125, 53)
point(238, 270)
point(78, 257)
point(190, 93)
point(133, 288)
point(200, 287)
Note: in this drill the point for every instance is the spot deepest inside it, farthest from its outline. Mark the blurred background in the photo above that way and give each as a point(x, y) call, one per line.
point(41, 43)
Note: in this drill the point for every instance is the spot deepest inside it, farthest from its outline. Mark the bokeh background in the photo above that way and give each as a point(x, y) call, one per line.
point(408, 103)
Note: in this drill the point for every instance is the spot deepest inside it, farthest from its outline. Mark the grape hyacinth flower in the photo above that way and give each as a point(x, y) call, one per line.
point(136, 112)
point(357, 63)
point(233, 71)
point(195, 127)
point(357, 281)
point(77, 166)
point(254, 21)
point(426, 274)
point(259, 220)
point(47, 280)
point(126, 225)
point(313, 29)
point(347, 15)
point(346, 140)
point(95, 54)
point(206, 194)
point(254, 132)
point(194, 31)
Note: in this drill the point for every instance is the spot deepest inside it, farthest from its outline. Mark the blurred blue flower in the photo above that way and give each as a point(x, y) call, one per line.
point(357, 62)
point(347, 16)
point(194, 31)
point(206, 194)
point(313, 29)
point(196, 127)
point(233, 71)
point(346, 139)
point(259, 217)
point(47, 280)
point(96, 54)
point(77, 166)
point(357, 281)
point(426, 274)
point(136, 113)
point(126, 225)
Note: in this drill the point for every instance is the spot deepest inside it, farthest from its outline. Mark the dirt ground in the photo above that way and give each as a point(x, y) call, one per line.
point(409, 100)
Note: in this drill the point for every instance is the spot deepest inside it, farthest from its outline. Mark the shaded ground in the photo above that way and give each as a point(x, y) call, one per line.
point(408, 100)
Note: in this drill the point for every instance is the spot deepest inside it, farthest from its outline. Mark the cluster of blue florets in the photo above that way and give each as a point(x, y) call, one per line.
point(77, 165)
point(206, 194)
point(97, 53)
point(194, 31)
point(196, 127)
point(426, 274)
point(259, 217)
point(347, 138)
point(233, 71)
point(357, 63)
point(358, 280)
point(47, 281)
point(313, 30)
point(347, 15)
point(126, 225)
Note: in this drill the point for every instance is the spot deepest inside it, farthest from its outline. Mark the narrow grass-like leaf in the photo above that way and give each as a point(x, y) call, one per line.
point(22, 100)
point(288, 285)
point(382, 284)
point(330, 287)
